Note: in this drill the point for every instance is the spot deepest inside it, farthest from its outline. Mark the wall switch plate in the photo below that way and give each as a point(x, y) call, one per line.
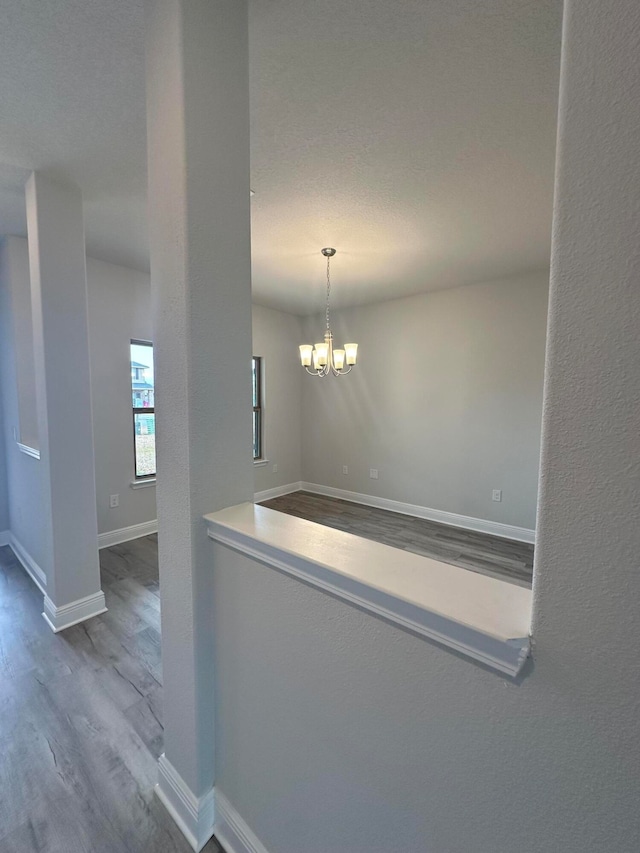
point(373, 473)
point(275, 468)
point(496, 495)
point(114, 501)
point(345, 469)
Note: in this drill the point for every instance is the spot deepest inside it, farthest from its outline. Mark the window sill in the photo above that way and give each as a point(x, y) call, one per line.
point(28, 451)
point(260, 462)
point(477, 616)
point(142, 484)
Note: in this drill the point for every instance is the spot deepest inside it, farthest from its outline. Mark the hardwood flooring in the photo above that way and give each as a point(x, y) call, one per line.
point(81, 716)
point(478, 552)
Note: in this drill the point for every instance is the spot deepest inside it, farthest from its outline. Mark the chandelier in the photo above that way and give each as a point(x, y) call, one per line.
point(324, 357)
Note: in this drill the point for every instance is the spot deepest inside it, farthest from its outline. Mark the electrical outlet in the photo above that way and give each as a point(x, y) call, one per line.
point(345, 469)
point(275, 468)
point(114, 501)
point(373, 473)
point(496, 495)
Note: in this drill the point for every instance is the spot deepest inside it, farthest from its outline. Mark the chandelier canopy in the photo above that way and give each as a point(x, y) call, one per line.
point(325, 359)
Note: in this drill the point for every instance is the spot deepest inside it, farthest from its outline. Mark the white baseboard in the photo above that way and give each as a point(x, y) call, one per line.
point(231, 830)
point(59, 618)
point(34, 571)
point(495, 528)
point(4, 537)
point(193, 815)
point(125, 534)
point(277, 492)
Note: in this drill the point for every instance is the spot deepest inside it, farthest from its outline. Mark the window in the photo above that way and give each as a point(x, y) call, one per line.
point(144, 417)
point(256, 375)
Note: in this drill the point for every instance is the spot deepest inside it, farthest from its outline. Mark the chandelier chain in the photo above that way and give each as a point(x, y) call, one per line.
point(328, 289)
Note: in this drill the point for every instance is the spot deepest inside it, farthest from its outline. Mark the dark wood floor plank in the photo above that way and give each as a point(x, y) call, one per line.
point(478, 552)
point(81, 717)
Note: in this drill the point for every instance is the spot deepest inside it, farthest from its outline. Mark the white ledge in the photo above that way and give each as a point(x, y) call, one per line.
point(29, 451)
point(260, 462)
point(481, 617)
point(142, 484)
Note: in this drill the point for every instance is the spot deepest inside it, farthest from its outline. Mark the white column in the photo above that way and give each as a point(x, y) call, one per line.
point(63, 385)
point(198, 165)
point(588, 542)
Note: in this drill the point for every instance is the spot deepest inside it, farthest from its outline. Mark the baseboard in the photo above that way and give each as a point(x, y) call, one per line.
point(29, 564)
point(231, 830)
point(125, 534)
point(495, 528)
point(193, 815)
point(277, 492)
point(59, 618)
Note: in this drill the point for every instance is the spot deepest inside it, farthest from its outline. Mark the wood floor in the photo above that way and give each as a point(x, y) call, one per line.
point(81, 717)
point(479, 552)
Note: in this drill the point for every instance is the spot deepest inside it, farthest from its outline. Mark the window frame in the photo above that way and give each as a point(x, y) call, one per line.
point(258, 408)
point(147, 410)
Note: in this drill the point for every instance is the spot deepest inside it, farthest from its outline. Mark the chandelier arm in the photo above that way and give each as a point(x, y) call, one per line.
point(341, 372)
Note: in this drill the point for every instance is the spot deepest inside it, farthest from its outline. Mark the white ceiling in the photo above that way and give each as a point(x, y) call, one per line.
point(415, 136)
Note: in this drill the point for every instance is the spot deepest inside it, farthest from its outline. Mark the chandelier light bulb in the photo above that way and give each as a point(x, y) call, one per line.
point(351, 351)
point(323, 353)
point(305, 354)
point(326, 359)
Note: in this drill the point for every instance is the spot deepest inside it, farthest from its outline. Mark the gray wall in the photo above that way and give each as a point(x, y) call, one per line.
point(119, 311)
point(445, 402)
point(275, 339)
point(4, 498)
point(4, 332)
point(24, 482)
point(22, 319)
point(336, 731)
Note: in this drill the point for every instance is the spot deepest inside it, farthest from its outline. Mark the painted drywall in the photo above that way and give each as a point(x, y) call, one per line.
point(275, 337)
point(24, 360)
point(4, 498)
point(23, 473)
point(336, 731)
point(200, 247)
point(119, 311)
point(445, 401)
point(58, 279)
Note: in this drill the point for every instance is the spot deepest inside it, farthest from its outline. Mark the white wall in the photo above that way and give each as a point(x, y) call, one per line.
point(446, 400)
point(119, 311)
point(275, 339)
point(337, 731)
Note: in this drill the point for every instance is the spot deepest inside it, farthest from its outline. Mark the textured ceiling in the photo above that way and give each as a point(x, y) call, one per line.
point(415, 136)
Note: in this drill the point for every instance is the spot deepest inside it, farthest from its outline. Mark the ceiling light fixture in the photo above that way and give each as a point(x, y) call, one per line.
point(325, 359)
